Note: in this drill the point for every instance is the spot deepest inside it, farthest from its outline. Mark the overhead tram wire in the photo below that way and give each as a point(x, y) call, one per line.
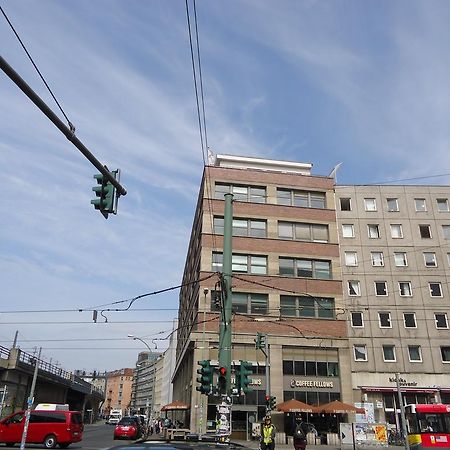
point(71, 126)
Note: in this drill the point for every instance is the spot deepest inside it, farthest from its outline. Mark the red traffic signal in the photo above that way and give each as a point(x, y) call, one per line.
point(267, 398)
point(222, 371)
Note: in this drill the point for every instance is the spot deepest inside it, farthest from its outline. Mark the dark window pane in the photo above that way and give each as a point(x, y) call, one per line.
point(299, 367)
point(288, 367)
point(306, 307)
point(311, 368)
point(287, 267)
point(300, 396)
point(322, 369)
point(287, 395)
point(312, 398)
point(325, 307)
point(288, 306)
point(333, 369)
point(324, 397)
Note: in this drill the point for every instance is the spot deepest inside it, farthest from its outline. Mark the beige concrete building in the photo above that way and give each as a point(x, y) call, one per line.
point(118, 390)
point(286, 282)
point(395, 257)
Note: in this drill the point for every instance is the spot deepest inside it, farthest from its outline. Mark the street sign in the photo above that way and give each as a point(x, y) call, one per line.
point(223, 425)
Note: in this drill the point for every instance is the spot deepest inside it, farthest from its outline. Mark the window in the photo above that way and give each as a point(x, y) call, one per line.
point(396, 231)
point(360, 352)
point(425, 232)
point(373, 231)
point(247, 303)
point(389, 353)
point(370, 204)
point(409, 320)
point(302, 306)
point(302, 199)
point(420, 204)
point(384, 319)
point(348, 231)
point(405, 288)
point(354, 288)
point(255, 194)
point(446, 231)
point(357, 319)
point(445, 354)
point(435, 289)
point(441, 320)
point(243, 227)
point(305, 268)
point(377, 259)
point(241, 263)
point(346, 204)
point(303, 231)
point(380, 288)
point(430, 259)
point(392, 204)
point(442, 204)
point(415, 353)
point(351, 258)
point(400, 259)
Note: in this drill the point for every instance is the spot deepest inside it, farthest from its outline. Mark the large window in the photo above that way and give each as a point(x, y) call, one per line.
point(243, 227)
point(254, 264)
point(302, 306)
point(389, 353)
point(311, 368)
point(255, 194)
point(303, 231)
point(304, 199)
point(305, 268)
point(243, 302)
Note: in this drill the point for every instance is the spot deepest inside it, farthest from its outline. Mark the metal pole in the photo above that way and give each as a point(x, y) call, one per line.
point(70, 135)
point(402, 411)
point(225, 324)
point(30, 401)
point(16, 334)
point(3, 400)
point(267, 354)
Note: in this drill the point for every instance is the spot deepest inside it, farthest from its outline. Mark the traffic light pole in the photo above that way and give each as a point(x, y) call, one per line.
point(70, 134)
point(225, 323)
point(267, 355)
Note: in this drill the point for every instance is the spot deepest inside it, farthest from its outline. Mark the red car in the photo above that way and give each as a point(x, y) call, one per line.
point(128, 428)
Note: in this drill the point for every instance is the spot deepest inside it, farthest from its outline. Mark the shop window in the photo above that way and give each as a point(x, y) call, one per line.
point(300, 396)
point(324, 397)
point(312, 398)
point(287, 395)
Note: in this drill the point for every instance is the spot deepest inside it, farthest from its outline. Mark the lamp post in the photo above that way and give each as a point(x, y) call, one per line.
point(135, 338)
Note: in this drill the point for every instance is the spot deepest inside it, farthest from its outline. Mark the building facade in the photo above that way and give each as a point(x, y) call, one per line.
point(395, 258)
point(118, 390)
point(286, 282)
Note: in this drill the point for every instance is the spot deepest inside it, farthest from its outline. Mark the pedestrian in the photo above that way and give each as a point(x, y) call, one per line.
point(300, 432)
point(267, 435)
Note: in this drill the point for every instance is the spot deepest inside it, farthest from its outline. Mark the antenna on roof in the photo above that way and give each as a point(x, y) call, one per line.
point(333, 173)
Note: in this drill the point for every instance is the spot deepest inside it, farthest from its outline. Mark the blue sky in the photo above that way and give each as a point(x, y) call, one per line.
point(362, 83)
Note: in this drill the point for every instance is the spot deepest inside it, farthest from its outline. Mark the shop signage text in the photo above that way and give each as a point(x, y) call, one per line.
point(403, 382)
point(311, 383)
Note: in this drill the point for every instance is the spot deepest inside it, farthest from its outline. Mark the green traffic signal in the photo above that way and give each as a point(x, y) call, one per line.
point(273, 402)
point(244, 380)
point(260, 341)
point(206, 377)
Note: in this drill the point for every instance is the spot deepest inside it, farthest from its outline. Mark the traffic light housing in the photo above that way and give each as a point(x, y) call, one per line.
point(106, 197)
point(206, 377)
point(244, 371)
point(273, 403)
point(222, 380)
point(267, 398)
point(260, 341)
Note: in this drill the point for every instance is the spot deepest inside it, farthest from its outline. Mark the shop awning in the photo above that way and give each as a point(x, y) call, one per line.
point(295, 406)
point(174, 406)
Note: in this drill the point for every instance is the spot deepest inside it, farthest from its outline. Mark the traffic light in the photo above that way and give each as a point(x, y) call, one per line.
point(273, 403)
point(244, 380)
point(222, 380)
point(267, 402)
point(206, 377)
point(106, 194)
point(260, 341)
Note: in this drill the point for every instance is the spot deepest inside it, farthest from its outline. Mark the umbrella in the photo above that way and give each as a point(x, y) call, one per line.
point(338, 407)
point(295, 406)
point(176, 405)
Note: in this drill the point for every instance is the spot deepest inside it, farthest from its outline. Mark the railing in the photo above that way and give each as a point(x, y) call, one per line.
point(4, 352)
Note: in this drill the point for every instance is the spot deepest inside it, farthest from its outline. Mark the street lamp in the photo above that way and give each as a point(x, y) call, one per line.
point(135, 338)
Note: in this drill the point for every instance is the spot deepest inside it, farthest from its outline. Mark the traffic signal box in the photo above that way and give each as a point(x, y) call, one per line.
point(271, 402)
point(206, 377)
point(242, 377)
point(105, 194)
point(222, 380)
point(260, 341)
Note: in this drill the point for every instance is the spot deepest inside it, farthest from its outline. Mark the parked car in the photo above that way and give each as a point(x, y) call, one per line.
point(128, 428)
point(50, 428)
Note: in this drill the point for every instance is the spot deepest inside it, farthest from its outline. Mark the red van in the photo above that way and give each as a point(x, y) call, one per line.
point(50, 428)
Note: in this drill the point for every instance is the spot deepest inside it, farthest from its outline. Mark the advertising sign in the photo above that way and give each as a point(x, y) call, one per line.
point(223, 425)
point(365, 434)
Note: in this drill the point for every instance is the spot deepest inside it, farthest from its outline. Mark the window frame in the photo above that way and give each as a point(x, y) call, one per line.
point(373, 260)
point(361, 316)
point(351, 258)
point(370, 204)
point(385, 288)
point(420, 207)
point(373, 227)
point(403, 261)
point(434, 259)
point(436, 321)
point(441, 348)
point(298, 194)
point(411, 314)
point(419, 348)
point(363, 350)
point(384, 316)
point(389, 200)
point(423, 227)
point(350, 227)
point(437, 283)
point(349, 199)
point(446, 231)
point(357, 291)
point(407, 283)
point(442, 201)
point(386, 347)
point(397, 227)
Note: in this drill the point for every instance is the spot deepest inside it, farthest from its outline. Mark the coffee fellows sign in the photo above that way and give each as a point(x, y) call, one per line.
point(311, 384)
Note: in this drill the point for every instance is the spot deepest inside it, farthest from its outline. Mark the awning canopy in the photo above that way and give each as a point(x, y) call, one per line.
point(295, 406)
point(174, 406)
point(338, 407)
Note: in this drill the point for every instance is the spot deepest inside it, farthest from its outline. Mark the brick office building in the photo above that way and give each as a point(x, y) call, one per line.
point(286, 282)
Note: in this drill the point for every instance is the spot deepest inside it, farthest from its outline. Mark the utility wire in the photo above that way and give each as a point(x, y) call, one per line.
point(71, 126)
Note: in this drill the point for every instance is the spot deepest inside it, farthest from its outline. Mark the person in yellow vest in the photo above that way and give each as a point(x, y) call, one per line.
point(267, 435)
